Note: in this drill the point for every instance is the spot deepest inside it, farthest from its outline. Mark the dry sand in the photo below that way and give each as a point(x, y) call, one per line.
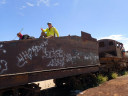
point(46, 84)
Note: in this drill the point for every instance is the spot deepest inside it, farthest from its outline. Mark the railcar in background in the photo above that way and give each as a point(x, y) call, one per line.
point(112, 55)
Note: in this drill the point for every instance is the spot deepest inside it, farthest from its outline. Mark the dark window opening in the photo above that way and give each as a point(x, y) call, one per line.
point(113, 53)
point(101, 44)
point(111, 43)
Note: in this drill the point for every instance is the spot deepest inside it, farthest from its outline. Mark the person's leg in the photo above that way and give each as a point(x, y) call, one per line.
point(25, 37)
point(43, 34)
point(50, 37)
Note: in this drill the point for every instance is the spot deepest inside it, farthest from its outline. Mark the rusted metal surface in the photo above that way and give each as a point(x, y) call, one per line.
point(126, 54)
point(113, 64)
point(29, 60)
point(110, 60)
point(111, 56)
point(110, 48)
point(86, 36)
point(15, 80)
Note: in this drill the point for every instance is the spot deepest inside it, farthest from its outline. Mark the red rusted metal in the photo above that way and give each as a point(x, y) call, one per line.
point(87, 36)
point(111, 56)
point(29, 61)
point(110, 48)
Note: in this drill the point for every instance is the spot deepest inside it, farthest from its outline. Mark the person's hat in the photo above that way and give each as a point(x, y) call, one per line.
point(49, 23)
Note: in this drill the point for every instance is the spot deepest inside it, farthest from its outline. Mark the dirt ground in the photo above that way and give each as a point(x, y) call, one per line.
point(46, 84)
point(115, 87)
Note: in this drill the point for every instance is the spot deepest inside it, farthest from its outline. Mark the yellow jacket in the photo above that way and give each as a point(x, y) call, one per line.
point(51, 32)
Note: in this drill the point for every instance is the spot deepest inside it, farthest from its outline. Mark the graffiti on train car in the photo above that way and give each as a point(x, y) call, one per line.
point(3, 63)
point(1, 48)
point(58, 57)
point(28, 54)
point(92, 57)
point(3, 66)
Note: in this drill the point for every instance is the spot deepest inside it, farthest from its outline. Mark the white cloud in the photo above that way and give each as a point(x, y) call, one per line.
point(23, 7)
point(46, 2)
point(115, 37)
point(119, 38)
point(56, 4)
point(3, 2)
point(30, 4)
point(126, 46)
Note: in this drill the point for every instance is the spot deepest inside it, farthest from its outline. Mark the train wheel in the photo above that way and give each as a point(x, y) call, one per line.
point(25, 90)
point(60, 82)
point(8, 93)
point(30, 90)
point(77, 82)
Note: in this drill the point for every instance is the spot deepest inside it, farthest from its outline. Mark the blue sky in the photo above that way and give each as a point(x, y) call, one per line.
point(101, 18)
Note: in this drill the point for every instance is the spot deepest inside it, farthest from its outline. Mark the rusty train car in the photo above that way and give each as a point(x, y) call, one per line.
point(111, 55)
point(111, 59)
point(26, 61)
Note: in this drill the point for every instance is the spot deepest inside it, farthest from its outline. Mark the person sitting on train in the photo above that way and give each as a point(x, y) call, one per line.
point(50, 31)
point(24, 37)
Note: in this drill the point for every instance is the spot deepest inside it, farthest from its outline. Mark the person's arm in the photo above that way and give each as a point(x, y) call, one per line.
point(56, 32)
point(43, 32)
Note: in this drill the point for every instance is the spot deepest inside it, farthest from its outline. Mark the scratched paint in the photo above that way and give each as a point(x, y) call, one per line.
point(3, 63)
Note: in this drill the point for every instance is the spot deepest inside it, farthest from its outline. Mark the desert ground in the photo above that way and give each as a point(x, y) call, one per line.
point(46, 84)
point(115, 87)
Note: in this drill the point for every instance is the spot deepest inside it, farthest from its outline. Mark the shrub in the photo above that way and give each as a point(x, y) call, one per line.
point(125, 73)
point(101, 79)
point(114, 75)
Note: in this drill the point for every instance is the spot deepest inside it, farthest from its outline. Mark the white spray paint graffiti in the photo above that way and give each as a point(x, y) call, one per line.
point(3, 66)
point(28, 54)
point(58, 57)
point(91, 57)
point(3, 50)
point(3, 63)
